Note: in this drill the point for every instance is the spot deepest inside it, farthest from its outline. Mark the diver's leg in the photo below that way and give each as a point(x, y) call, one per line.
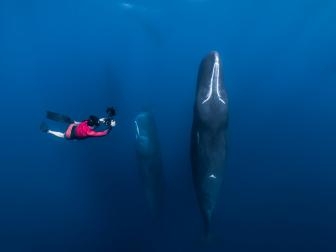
point(44, 128)
point(56, 133)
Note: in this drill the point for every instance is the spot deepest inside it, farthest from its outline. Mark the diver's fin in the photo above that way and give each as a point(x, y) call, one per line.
point(59, 117)
point(44, 127)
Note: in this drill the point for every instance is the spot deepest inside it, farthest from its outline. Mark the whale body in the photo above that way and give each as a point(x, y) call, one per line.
point(149, 161)
point(209, 135)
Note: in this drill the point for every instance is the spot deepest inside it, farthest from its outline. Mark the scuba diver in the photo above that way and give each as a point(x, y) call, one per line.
point(80, 130)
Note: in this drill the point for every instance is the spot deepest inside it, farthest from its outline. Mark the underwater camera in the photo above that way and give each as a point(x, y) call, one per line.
point(107, 121)
point(110, 113)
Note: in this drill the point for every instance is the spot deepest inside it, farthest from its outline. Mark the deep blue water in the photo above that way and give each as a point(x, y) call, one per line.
point(77, 57)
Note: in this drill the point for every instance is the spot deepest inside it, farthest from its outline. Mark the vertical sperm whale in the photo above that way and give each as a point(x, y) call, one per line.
point(149, 161)
point(208, 135)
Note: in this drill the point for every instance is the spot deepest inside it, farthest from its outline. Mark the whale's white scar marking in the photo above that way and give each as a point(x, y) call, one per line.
point(212, 176)
point(137, 128)
point(214, 75)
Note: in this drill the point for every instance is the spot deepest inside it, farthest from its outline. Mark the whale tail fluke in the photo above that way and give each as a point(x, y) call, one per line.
point(209, 241)
point(207, 235)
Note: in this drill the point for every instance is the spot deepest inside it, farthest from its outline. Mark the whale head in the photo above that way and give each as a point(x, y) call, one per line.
point(144, 130)
point(211, 99)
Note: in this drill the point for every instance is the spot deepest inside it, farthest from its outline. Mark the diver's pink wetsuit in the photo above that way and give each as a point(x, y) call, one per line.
point(82, 131)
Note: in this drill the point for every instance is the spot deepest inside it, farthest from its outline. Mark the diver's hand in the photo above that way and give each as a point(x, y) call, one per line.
point(113, 123)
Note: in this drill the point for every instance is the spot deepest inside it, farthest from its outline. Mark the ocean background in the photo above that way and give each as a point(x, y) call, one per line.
point(78, 56)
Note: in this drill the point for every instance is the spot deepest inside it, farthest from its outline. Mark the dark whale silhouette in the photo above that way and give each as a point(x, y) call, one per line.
point(208, 136)
point(149, 161)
